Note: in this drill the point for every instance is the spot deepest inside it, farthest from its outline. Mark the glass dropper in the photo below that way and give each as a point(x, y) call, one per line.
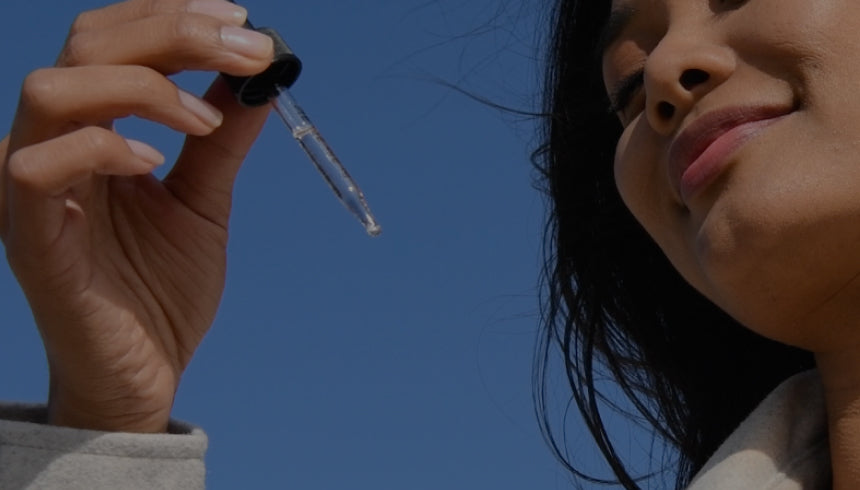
point(324, 159)
point(272, 87)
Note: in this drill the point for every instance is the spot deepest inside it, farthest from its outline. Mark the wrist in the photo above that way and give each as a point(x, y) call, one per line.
point(91, 420)
point(118, 415)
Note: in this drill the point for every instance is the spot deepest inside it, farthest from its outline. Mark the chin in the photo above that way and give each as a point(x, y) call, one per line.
point(787, 273)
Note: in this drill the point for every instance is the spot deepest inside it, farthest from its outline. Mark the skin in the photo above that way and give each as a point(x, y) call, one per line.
point(124, 272)
point(774, 240)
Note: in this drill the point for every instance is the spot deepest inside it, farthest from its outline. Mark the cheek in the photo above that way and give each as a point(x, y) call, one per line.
point(622, 168)
point(643, 184)
point(633, 168)
point(791, 38)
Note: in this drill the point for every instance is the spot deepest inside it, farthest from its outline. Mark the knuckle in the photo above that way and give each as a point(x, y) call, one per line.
point(190, 30)
point(96, 138)
point(20, 170)
point(162, 6)
point(82, 23)
point(77, 50)
point(109, 147)
point(145, 80)
point(38, 89)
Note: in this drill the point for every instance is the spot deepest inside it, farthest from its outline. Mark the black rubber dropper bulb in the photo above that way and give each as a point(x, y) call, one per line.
point(257, 90)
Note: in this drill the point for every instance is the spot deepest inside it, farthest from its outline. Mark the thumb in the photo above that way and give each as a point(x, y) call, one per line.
point(203, 175)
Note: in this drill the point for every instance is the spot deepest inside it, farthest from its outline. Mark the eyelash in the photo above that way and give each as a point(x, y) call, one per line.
point(623, 92)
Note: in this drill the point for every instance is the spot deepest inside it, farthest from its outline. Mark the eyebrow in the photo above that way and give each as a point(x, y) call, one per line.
point(618, 19)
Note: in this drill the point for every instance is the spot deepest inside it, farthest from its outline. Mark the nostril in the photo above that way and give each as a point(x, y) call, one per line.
point(693, 77)
point(665, 110)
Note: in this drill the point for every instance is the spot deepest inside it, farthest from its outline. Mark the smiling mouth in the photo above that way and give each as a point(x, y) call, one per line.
point(702, 151)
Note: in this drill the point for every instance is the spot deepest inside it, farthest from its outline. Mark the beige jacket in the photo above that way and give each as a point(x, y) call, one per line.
point(37, 456)
point(782, 445)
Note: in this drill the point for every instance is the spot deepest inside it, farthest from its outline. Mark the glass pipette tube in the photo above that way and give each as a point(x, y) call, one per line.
point(324, 159)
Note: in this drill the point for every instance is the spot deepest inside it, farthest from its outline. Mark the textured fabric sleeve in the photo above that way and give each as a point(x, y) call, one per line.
point(38, 456)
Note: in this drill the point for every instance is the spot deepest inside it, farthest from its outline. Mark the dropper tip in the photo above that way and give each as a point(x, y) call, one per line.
point(373, 229)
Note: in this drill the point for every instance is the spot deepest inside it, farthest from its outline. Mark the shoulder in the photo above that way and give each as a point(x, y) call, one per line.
point(781, 445)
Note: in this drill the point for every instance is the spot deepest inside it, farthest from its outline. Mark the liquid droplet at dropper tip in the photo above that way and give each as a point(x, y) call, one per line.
point(373, 229)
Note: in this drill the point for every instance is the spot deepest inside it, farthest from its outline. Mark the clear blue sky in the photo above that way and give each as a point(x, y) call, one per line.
point(338, 360)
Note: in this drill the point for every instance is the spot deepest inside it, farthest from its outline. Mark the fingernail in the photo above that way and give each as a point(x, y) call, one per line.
point(145, 151)
point(202, 109)
point(220, 9)
point(246, 42)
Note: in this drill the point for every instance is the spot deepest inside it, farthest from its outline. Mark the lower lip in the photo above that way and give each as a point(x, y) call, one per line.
point(715, 158)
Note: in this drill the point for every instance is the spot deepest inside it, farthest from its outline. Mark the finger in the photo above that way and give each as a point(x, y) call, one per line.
point(119, 13)
point(56, 100)
point(207, 166)
point(38, 177)
point(172, 43)
point(4, 150)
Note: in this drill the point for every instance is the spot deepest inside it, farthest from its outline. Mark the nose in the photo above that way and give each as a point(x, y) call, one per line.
point(680, 70)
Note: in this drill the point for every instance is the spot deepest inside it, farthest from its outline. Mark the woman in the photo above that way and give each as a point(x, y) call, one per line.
point(95, 241)
point(733, 130)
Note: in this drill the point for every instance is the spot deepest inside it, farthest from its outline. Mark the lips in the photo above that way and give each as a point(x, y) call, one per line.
point(702, 150)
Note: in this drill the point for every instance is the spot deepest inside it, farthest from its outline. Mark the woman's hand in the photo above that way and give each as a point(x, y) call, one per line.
point(124, 272)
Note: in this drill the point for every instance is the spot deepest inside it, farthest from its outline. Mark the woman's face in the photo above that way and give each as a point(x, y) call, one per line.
point(741, 153)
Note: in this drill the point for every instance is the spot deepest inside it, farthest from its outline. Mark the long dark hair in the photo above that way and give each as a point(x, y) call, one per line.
point(613, 304)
